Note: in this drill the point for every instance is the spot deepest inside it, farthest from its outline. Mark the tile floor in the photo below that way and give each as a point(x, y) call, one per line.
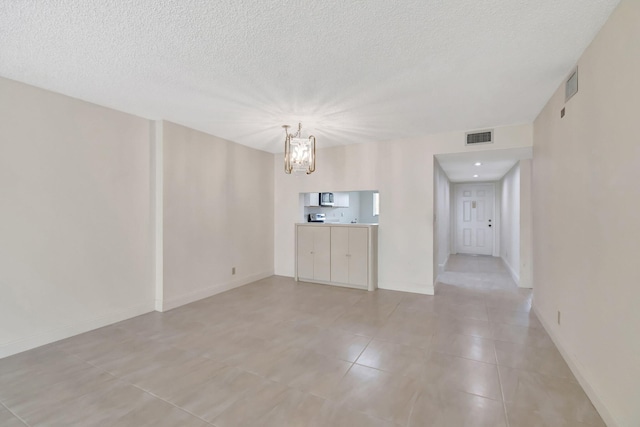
point(277, 353)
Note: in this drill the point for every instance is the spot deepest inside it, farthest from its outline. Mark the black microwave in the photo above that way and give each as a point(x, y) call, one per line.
point(326, 199)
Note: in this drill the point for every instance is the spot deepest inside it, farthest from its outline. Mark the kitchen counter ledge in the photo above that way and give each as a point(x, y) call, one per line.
point(338, 224)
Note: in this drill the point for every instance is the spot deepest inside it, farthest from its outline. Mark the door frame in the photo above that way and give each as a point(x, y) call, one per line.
point(496, 216)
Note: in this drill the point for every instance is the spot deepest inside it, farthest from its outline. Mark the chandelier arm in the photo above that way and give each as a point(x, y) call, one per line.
point(312, 164)
point(287, 155)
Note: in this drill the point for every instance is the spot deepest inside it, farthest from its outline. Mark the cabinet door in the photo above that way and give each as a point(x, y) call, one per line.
point(305, 252)
point(339, 252)
point(358, 256)
point(311, 199)
point(341, 200)
point(322, 253)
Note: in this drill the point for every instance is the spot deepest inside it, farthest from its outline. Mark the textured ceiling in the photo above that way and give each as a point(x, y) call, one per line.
point(351, 71)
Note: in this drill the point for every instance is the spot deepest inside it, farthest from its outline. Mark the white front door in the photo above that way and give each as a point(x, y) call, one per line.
point(474, 219)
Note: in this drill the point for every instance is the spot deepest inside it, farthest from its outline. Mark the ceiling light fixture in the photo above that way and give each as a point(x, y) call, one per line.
point(475, 176)
point(477, 164)
point(299, 152)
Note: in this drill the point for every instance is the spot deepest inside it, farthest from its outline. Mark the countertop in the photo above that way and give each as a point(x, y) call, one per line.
point(337, 224)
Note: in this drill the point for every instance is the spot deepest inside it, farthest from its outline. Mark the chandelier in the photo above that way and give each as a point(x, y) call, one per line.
point(299, 152)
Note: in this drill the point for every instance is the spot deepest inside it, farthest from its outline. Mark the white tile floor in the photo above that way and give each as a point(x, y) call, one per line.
point(280, 353)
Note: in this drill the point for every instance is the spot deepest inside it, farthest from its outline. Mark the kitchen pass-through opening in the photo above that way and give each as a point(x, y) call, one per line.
point(340, 207)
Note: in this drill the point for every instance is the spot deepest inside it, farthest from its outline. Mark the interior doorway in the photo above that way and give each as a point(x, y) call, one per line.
point(482, 206)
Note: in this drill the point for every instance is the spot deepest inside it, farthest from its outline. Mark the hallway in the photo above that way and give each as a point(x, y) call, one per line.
point(280, 353)
point(538, 389)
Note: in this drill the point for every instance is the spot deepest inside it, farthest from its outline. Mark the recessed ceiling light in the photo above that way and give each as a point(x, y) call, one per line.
point(475, 176)
point(478, 164)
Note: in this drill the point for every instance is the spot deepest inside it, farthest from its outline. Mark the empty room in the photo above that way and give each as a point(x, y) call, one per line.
point(296, 213)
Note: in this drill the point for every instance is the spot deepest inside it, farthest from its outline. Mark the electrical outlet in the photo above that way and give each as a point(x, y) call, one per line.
point(558, 317)
point(233, 270)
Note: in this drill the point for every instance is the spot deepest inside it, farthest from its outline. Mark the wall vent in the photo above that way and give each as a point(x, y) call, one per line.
point(571, 85)
point(482, 137)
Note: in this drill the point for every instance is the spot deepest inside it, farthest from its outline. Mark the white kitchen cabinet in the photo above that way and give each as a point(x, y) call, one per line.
point(349, 261)
point(352, 254)
point(340, 200)
point(314, 253)
point(312, 199)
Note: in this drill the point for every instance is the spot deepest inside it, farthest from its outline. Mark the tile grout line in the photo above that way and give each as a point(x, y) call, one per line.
point(495, 354)
point(14, 414)
point(363, 350)
point(67, 354)
point(504, 403)
point(147, 392)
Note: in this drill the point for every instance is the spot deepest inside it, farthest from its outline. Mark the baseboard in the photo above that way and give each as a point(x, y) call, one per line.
point(180, 300)
point(415, 288)
point(580, 373)
point(442, 267)
point(514, 275)
point(66, 331)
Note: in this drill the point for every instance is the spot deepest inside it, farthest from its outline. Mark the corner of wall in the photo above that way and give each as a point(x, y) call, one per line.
point(187, 298)
point(443, 266)
point(157, 203)
point(514, 274)
point(579, 372)
point(413, 288)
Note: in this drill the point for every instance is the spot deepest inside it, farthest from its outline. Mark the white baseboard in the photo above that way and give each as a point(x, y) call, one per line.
point(180, 300)
point(442, 267)
point(69, 330)
point(415, 288)
point(580, 373)
point(514, 275)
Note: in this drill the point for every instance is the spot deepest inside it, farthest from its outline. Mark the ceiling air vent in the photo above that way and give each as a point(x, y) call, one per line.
point(483, 137)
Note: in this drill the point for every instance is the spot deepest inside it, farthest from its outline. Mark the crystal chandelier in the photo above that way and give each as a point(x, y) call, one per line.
point(299, 152)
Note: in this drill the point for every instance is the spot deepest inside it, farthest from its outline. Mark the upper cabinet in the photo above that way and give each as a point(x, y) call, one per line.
point(312, 199)
point(340, 200)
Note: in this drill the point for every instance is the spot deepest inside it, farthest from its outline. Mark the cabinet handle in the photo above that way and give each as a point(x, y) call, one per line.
point(348, 254)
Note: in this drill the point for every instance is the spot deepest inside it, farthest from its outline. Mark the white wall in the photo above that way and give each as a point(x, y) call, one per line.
point(442, 224)
point(586, 199)
point(515, 233)
point(402, 171)
point(509, 189)
point(75, 217)
point(218, 214)
point(526, 221)
point(78, 188)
